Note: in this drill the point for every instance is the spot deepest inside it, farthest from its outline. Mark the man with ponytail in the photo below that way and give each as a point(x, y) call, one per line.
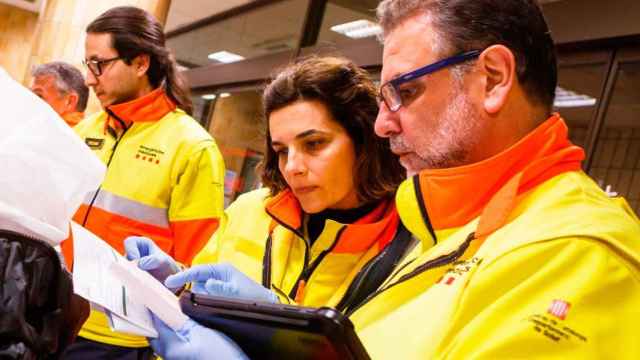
point(165, 173)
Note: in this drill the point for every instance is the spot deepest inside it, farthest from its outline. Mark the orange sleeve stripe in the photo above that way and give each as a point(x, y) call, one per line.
point(113, 229)
point(190, 236)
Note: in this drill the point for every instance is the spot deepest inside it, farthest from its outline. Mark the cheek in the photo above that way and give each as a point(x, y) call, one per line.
point(339, 175)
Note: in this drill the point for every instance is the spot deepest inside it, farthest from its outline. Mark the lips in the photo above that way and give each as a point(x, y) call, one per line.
point(302, 190)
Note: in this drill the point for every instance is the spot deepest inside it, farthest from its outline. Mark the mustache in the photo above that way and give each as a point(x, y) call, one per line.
point(398, 145)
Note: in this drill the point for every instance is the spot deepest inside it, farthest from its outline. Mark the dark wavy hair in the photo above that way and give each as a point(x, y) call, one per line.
point(350, 96)
point(135, 32)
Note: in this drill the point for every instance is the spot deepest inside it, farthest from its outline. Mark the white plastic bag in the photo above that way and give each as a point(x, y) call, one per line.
point(45, 168)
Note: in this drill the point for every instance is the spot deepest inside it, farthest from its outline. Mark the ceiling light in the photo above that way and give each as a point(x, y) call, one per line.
point(225, 57)
point(358, 29)
point(224, 95)
point(209, 96)
point(567, 98)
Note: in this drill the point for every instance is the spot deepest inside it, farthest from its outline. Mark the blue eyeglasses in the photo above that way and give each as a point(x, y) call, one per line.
point(390, 92)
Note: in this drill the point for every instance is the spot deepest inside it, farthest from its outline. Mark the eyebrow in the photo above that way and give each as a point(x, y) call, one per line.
point(300, 136)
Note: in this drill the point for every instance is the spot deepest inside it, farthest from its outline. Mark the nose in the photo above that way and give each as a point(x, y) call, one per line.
point(387, 123)
point(295, 163)
point(90, 79)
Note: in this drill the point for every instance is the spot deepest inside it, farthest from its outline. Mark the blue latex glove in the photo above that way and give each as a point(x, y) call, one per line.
point(193, 342)
point(150, 257)
point(221, 280)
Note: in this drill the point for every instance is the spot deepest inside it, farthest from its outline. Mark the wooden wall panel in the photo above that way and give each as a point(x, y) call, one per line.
point(17, 29)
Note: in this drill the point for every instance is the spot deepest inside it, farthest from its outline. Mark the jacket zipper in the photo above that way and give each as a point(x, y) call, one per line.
point(431, 264)
point(266, 261)
point(113, 152)
point(308, 270)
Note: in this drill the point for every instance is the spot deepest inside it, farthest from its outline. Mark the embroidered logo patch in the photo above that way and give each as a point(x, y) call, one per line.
point(93, 143)
point(559, 309)
point(149, 154)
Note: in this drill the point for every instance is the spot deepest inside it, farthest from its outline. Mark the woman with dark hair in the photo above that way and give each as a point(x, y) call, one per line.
point(319, 228)
point(164, 171)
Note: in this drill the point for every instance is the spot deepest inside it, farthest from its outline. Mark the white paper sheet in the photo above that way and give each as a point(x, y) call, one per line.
point(103, 276)
point(46, 169)
point(94, 281)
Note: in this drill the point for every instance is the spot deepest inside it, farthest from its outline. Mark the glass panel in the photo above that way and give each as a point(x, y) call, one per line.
point(264, 30)
point(578, 90)
point(616, 165)
point(237, 127)
point(338, 25)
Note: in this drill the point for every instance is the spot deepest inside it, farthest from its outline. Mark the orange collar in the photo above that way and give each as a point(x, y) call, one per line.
point(453, 197)
point(377, 226)
point(73, 118)
point(148, 108)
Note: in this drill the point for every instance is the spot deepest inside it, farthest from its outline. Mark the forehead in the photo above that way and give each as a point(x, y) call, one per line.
point(412, 44)
point(98, 45)
point(299, 117)
point(44, 80)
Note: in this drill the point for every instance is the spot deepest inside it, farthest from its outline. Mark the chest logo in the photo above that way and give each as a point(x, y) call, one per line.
point(149, 154)
point(94, 143)
point(559, 309)
point(458, 269)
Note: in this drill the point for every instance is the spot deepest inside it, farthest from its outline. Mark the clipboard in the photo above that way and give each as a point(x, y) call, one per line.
point(277, 331)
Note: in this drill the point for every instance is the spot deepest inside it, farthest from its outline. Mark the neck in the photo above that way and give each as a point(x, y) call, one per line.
point(144, 89)
point(503, 129)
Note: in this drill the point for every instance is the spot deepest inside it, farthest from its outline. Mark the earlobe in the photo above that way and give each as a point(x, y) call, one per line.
point(498, 65)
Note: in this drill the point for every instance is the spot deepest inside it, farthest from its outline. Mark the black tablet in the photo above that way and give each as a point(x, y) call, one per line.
point(276, 331)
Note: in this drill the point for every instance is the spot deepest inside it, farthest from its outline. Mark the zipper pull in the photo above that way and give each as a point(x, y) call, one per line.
point(300, 291)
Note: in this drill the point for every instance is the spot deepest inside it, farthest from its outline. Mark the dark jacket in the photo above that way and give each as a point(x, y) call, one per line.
point(39, 314)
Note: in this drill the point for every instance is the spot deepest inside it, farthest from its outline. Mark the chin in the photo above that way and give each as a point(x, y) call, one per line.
point(312, 208)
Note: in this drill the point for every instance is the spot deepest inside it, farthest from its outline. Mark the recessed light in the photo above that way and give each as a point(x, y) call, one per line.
point(567, 98)
point(209, 96)
point(358, 29)
point(225, 57)
point(224, 95)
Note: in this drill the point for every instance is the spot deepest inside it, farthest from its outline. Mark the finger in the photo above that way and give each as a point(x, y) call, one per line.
point(131, 248)
point(220, 288)
point(197, 273)
point(149, 263)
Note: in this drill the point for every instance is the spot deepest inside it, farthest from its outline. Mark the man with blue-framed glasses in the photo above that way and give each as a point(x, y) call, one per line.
point(518, 253)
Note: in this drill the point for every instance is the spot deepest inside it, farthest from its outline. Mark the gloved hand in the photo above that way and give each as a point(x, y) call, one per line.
point(150, 257)
point(193, 342)
point(221, 280)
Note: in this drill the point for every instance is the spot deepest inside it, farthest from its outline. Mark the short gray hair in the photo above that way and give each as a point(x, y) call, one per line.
point(68, 79)
point(464, 25)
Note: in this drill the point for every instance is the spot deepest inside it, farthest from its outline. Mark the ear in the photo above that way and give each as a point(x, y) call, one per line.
point(498, 65)
point(72, 101)
point(141, 64)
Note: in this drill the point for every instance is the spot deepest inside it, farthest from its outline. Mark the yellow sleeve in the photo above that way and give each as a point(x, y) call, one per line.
point(197, 201)
point(570, 298)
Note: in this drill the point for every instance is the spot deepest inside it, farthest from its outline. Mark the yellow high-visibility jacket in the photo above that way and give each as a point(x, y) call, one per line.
point(264, 237)
point(532, 260)
point(164, 181)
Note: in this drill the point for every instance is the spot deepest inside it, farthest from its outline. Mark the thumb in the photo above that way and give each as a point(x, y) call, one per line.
point(200, 273)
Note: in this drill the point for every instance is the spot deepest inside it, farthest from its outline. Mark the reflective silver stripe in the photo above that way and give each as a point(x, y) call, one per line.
point(129, 208)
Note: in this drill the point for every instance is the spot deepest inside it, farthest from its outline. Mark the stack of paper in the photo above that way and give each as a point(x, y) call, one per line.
point(119, 288)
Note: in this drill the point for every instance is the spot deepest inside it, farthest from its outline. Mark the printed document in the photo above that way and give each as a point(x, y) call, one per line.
point(124, 292)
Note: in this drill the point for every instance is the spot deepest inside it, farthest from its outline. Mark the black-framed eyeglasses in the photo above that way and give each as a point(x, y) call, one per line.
point(390, 92)
point(97, 66)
